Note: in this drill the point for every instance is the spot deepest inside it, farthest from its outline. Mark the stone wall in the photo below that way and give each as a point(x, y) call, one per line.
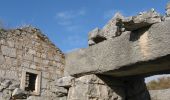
point(27, 48)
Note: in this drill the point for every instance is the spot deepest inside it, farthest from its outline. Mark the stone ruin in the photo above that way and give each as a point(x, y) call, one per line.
point(113, 67)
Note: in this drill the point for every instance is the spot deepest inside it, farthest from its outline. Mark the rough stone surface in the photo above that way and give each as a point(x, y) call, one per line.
point(144, 19)
point(27, 48)
point(65, 81)
point(91, 87)
point(60, 91)
point(111, 30)
point(19, 94)
point(126, 50)
point(120, 55)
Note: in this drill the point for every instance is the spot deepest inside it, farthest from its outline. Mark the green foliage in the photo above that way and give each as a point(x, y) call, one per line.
point(161, 83)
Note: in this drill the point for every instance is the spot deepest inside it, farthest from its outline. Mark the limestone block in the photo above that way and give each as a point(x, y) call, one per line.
point(128, 54)
point(25, 64)
point(1, 59)
point(37, 60)
point(6, 95)
point(65, 81)
point(11, 74)
point(83, 91)
point(44, 83)
point(59, 91)
point(144, 19)
point(7, 51)
point(19, 94)
point(28, 57)
point(6, 83)
point(10, 44)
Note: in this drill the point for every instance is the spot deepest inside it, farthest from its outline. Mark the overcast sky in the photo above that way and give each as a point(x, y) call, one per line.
point(67, 22)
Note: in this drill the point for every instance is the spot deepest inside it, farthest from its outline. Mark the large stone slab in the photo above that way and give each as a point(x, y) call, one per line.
point(142, 51)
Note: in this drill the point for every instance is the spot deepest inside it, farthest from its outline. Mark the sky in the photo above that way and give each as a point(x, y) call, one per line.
point(67, 22)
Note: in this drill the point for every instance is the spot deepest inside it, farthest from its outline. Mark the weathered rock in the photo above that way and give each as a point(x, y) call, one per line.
point(6, 83)
point(91, 87)
point(111, 30)
point(45, 98)
point(59, 91)
point(114, 27)
point(6, 95)
point(135, 50)
point(95, 37)
point(144, 19)
point(14, 86)
point(19, 94)
point(90, 79)
point(7, 51)
point(65, 81)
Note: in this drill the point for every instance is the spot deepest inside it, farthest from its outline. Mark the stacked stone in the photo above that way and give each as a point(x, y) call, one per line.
point(28, 48)
point(119, 25)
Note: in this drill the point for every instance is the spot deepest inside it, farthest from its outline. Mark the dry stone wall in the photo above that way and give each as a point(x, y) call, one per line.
point(27, 48)
point(26, 52)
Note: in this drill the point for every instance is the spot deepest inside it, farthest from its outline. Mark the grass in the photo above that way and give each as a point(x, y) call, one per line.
point(160, 83)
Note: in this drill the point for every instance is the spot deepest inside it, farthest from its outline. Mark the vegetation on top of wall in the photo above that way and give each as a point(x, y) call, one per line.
point(159, 84)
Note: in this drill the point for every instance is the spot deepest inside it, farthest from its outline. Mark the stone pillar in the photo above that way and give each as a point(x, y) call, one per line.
point(168, 10)
point(94, 87)
point(136, 89)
